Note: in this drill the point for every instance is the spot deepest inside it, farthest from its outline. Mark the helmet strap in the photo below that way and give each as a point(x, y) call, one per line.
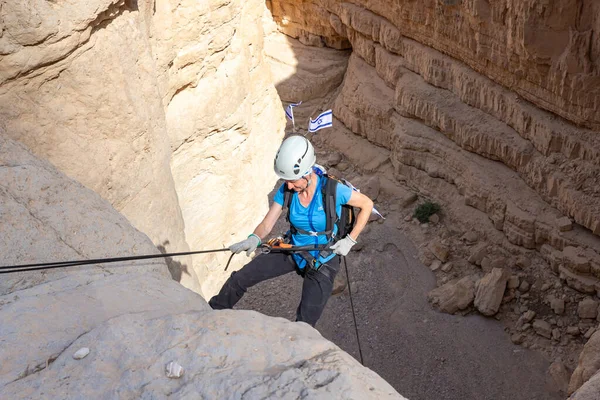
point(308, 182)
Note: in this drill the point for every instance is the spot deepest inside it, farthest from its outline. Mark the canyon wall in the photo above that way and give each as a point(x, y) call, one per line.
point(546, 52)
point(163, 108)
point(224, 121)
point(132, 318)
point(414, 87)
point(484, 107)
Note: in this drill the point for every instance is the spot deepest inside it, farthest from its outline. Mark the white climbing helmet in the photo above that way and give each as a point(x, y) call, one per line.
point(295, 158)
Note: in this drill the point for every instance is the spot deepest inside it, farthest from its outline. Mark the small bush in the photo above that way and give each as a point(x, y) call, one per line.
point(426, 210)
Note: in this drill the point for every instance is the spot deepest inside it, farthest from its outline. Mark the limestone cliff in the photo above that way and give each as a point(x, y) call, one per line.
point(401, 93)
point(491, 109)
point(132, 316)
point(546, 52)
point(164, 108)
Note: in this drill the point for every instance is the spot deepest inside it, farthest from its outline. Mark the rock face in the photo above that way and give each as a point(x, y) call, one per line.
point(544, 51)
point(589, 390)
point(224, 120)
point(479, 106)
point(454, 295)
point(490, 291)
point(127, 98)
point(76, 94)
point(133, 318)
point(482, 104)
point(588, 366)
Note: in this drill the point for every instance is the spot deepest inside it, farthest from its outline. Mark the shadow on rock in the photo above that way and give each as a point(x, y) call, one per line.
point(175, 267)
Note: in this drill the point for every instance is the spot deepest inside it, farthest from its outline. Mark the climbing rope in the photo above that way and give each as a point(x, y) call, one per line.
point(353, 313)
point(7, 269)
point(64, 264)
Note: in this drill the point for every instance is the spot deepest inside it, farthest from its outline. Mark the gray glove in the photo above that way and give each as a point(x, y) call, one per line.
point(342, 247)
point(249, 245)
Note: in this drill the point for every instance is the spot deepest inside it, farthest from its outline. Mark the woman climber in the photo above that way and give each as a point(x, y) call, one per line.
point(295, 164)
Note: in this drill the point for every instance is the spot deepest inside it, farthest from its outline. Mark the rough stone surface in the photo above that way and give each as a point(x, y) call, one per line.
point(528, 316)
point(513, 282)
point(587, 308)
point(132, 316)
point(478, 253)
point(558, 306)
point(542, 328)
point(564, 224)
point(553, 46)
point(589, 390)
point(588, 365)
point(220, 144)
point(453, 296)
point(75, 95)
point(490, 292)
point(559, 376)
point(439, 250)
point(127, 98)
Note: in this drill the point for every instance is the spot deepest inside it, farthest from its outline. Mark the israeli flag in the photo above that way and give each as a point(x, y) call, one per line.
point(289, 111)
point(324, 120)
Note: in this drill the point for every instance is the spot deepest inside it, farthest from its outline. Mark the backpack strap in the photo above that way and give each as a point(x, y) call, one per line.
point(328, 193)
point(287, 199)
point(330, 198)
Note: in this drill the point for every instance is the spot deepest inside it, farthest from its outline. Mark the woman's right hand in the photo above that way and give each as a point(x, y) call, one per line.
point(249, 245)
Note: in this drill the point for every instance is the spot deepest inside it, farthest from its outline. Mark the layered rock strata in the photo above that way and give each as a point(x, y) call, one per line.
point(546, 52)
point(493, 106)
point(132, 317)
point(550, 167)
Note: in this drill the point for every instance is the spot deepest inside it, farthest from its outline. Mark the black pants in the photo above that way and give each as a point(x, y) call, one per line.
point(316, 288)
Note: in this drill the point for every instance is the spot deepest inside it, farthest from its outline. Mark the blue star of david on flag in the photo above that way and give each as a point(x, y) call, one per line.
point(324, 120)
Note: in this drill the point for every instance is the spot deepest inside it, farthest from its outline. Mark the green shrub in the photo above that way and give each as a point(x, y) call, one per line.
point(426, 210)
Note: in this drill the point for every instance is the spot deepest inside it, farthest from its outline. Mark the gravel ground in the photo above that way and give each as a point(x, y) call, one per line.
point(424, 354)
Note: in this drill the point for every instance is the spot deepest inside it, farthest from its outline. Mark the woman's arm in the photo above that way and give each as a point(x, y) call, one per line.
point(268, 222)
point(365, 204)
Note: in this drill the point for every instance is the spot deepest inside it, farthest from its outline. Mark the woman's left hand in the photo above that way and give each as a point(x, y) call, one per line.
point(342, 247)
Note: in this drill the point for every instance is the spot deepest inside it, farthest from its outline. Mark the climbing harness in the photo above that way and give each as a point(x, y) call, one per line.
point(63, 264)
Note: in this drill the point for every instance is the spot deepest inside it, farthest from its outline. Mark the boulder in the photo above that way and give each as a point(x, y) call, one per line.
point(559, 376)
point(587, 308)
point(490, 291)
point(558, 306)
point(542, 328)
point(588, 364)
point(454, 296)
point(439, 249)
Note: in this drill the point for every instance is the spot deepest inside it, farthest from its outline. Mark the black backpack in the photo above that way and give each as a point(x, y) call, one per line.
point(346, 220)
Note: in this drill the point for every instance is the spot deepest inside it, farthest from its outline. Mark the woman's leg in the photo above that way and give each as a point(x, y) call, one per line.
point(316, 290)
point(261, 268)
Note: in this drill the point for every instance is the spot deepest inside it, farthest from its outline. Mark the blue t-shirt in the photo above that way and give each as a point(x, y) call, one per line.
point(312, 218)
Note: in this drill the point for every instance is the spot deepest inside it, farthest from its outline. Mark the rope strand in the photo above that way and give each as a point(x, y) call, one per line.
point(6, 269)
point(353, 313)
point(60, 264)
